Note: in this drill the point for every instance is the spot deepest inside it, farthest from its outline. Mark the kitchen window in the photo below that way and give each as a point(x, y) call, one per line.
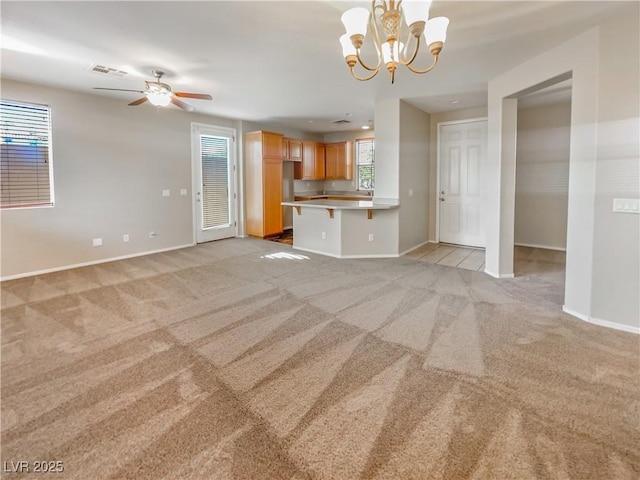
point(365, 163)
point(25, 155)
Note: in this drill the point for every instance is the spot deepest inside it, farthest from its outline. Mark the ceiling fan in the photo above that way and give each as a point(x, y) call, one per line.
point(160, 94)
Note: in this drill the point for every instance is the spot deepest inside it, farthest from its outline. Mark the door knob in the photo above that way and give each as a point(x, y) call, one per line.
point(442, 192)
point(441, 199)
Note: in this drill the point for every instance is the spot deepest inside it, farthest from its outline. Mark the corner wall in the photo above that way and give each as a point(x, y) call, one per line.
point(110, 165)
point(413, 178)
point(603, 259)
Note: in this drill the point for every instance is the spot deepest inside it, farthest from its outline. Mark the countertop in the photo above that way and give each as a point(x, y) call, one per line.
point(354, 196)
point(373, 204)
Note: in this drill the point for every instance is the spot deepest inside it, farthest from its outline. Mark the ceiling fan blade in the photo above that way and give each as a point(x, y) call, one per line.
point(182, 105)
point(201, 96)
point(118, 89)
point(138, 102)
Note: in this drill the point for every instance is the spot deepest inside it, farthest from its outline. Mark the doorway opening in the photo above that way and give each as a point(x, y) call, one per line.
point(542, 187)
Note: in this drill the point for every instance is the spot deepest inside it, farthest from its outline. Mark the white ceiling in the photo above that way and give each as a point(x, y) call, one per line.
point(276, 62)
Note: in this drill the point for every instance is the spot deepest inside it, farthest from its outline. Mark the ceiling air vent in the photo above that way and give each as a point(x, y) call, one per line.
point(101, 69)
point(341, 122)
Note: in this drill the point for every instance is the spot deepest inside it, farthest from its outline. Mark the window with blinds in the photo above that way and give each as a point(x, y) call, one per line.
point(214, 155)
point(25, 155)
point(365, 164)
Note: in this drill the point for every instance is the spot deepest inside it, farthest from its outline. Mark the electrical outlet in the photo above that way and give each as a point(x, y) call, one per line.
point(411, 192)
point(97, 242)
point(166, 192)
point(371, 237)
point(324, 235)
point(125, 237)
point(183, 192)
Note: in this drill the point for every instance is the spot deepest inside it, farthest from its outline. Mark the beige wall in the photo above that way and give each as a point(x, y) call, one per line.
point(387, 121)
point(110, 165)
point(414, 174)
point(616, 261)
point(435, 119)
point(542, 175)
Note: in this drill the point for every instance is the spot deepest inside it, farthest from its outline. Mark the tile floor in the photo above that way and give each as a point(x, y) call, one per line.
point(450, 255)
point(525, 258)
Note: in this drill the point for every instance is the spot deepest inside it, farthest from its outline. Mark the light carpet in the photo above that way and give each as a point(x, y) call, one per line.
point(245, 359)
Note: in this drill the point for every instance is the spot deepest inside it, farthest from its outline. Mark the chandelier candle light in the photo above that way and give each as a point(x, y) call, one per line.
point(386, 16)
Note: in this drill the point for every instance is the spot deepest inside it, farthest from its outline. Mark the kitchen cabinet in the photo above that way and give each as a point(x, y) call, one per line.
point(263, 183)
point(291, 149)
point(338, 161)
point(312, 165)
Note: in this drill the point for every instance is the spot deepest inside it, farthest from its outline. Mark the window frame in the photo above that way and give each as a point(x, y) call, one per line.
point(357, 163)
point(4, 131)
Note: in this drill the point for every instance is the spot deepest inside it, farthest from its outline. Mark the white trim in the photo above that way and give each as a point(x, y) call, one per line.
point(545, 247)
point(93, 262)
point(439, 125)
point(382, 255)
point(602, 323)
point(413, 248)
point(216, 130)
point(499, 275)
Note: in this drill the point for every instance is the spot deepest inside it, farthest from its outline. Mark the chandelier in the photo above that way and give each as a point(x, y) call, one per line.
point(384, 20)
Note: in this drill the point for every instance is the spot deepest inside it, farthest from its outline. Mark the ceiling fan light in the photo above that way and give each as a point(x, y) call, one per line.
point(356, 21)
point(415, 11)
point(159, 99)
point(436, 30)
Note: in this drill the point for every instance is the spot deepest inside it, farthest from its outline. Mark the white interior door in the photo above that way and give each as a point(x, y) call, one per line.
point(213, 152)
point(463, 149)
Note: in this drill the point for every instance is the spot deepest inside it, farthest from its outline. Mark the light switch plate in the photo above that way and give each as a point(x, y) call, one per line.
point(166, 192)
point(183, 191)
point(626, 205)
point(97, 242)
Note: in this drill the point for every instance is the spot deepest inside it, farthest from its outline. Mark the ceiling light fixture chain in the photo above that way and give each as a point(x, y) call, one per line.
point(386, 17)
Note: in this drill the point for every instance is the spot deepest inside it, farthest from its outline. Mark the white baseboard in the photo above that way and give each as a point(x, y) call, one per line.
point(413, 248)
point(499, 275)
point(602, 323)
point(93, 262)
point(545, 247)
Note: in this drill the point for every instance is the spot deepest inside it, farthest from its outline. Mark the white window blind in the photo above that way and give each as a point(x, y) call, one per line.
point(214, 153)
point(365, 163)
point(25, 155)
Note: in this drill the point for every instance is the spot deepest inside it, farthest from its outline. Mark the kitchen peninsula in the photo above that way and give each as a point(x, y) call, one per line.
point(345, 228)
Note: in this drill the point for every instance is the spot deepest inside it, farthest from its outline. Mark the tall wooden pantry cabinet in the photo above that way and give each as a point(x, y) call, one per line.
point(263, 183)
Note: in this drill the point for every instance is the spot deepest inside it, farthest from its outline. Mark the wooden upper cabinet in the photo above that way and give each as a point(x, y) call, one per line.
point(330, 159)
point(320, 164)
point(292, 149)
point(339, 161)
point(295, 150)
point(312, 165)
point(271, 145)
point(309, 160)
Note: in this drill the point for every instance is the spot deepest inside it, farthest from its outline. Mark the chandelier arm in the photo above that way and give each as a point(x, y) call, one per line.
point(364, 79)
point(404, 60)
point(371, 69)
point(428, 69)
